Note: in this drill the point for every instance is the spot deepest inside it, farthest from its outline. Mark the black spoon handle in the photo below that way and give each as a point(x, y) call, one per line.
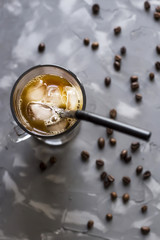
point(119, 126)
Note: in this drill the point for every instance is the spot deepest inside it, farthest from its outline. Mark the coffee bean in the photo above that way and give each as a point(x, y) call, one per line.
point(117, 30)
point(139, 169)
point(112, 141)
point(123, 154)
point(103, 175)
point(95, 45)
point(157, 66)
point(106, 183)
point(151, 76)
point(95, 9)
point(144, 209)
point(110, 178)
point(123, 50)
point(113, 195)
point(126, 180)
point(117, 65)
point(86, 41)
point(117, 58)
point(134, 79)
point(147, 5)
point(135, 146)
point(156, 15)
point(138, 97)
point(99, 163)
point(128, 159)
point(145, 230)
point(90, 224)
point(52, 160)
point(113, 113)
point(85, 155)
point(42, 166)
point(41, 47)
point(146, 175)
point(109, 131)
point(107, 81)
point(101, 142)
point(157, 9)
point(158, 49)
point(109, 217)
point(134, 86)
point(125, 197)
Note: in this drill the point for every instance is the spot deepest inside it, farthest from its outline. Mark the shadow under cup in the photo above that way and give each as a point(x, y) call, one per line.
point(18, 87)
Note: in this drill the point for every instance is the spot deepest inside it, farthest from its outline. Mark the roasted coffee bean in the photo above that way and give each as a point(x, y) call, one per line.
point(52, 160)
point(90, 224)
point(113, 113)
point(144, 209)
point(134, 86)
point(117, 58)
point(99, 163)
point(41, 47)
point(86, 41)
point(145, 230)
point(156, 15)
point(135, 146)
point(117, 65)
point(151, 76)
point(138, 97)
point(146, 175)
point(117, 30)
point(147, 5)
point(95, 9)
point(123, 154)
point(85, 155)
point(157, 66)
point(123, 50)
point(110, 178)
point(157, 9)
point(103, 175)
point(139, 169)
point(125, 197)
point(127, 159)
point(42, 166)
point(106, 183)
point(158, 49)
point(95, 45)
point(109, 217)
point(134, 79)
point(112, 141)
point(126, 180)
point(101, 142)
point(113, 195)
point(109, 131)
point(107, 81)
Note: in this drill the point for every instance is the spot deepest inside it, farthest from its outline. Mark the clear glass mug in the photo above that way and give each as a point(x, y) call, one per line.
point(21, 130)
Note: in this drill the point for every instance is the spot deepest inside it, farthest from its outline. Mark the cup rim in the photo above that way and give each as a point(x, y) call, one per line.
point(13, 110)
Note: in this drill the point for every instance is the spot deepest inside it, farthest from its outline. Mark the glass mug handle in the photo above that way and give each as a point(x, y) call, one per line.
point(17, 135)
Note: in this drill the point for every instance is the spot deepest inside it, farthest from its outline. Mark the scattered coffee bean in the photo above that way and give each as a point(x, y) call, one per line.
point(95, 9)
point(117, 65)
point(146, 175)
point(147, 5)
point(106, 183)
point(134, 79)
point(138, 97)
point(109, 217)
point(41, 47)
point(117, 58)
point(158, 49)
point(103, 175)
point(113, 195)
point(123, 154)
point(101, 142)
point(107, 81)
point(113, 113)
point(144, 209)
point(95, 45)
point(157, 9)
point(123, 50)
point(85, 155)
point(90, 224)
point(145, 230)
point(52, 160)
point(157, 66)
point(86, 41)
point(135, 146)
point(125, 197)
point(99, 163)
point(112, 141)
point(126, 180)
point(139, 169)
point(151, 76)
point(156, 15)
point(134, 86)
point(42, 166)
point(127, 159)
point(109, 131)
point(110, 178)
point(117, 30)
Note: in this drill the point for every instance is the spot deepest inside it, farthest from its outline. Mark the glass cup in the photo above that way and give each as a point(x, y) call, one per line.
point(21, 130)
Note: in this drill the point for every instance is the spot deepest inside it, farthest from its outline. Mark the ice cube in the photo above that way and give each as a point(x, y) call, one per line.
point(71, 98)
point(59, 126)
point(38, 111)
point(53, 96)
point(36, 93)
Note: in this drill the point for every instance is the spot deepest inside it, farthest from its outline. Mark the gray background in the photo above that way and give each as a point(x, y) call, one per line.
point(57, 203)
